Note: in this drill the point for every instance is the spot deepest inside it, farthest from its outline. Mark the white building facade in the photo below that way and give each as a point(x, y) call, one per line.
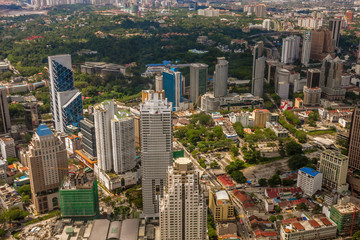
point(309, 180)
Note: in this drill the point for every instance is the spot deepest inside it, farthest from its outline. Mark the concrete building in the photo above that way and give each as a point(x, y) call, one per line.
point(313, 78)
point(103, 69)
point(271, 69)
point(182, 209)
point(198, 81)
point(32, 115)
point(306, 49)
point(123, 140)
point(79, 196)
point(221, 77)
point(330, 79)
point(65, 99)
point(290, 49)
point(282, 81)
point(266, 24)
point(158, 83)
point(156, 150)
point(172, 85)
point(334, 166)
point(354, 139)
point(7, 146)
point(343, 215)
point(5, 124)
point(321, 44)
point(257, 88)
point(309, 180)
point(72, 143)
point(278, 129)
point(3, 171)
point(335, 28)
point(48, 165)
point(221, 205)
point(145, 94)
point(349, 16)
point(88, 142)
point(316, 228)
point(312, 96)
point(260, 10)
point(9, 198)
point(261, 116)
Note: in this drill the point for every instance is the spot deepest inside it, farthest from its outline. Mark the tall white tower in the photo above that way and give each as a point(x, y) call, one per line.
point(156, 150)
point(221, 77)
point(183, 208)
point(257, 88)
point(290, 49)
point(306, 49)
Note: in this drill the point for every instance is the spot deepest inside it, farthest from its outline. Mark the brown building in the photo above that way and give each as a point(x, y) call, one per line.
point(349, 16)
point(5, 124)
point(321, 44)
point(354, 142)
point(48, 165)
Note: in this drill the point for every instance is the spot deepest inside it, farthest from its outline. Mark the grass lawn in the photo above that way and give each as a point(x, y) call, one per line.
point(322, 132)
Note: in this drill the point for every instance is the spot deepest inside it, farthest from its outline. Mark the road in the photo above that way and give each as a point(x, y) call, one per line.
point(11, 67)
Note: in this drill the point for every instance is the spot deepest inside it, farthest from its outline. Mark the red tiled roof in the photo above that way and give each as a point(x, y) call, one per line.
point(298, 201)
point(314, 223)
point(326, 221)
point(298, 226)
point(289, 220)
point(225, 180)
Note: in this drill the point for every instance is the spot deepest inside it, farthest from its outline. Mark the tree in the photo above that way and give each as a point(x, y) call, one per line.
point(356, 236)
point(297, 162)
point(288, 182)
point(238, 177)
point(263, 182)
point(293, 148)
point(239, 129)
point(279, 217)
point(282, 149)
point(274, 181)
point(13, 214)
point(12, 160)
point(2, 232)
point(16, 110)
point(234, 151)
point(317, 209)
point(272, 218)
point(24, 190)
point(302, 206)
point(277, 208)
point(107, 200)
point(25, 199)
point(218, 132)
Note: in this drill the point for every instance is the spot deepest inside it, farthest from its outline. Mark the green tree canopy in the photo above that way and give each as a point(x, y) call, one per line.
point(297, 162)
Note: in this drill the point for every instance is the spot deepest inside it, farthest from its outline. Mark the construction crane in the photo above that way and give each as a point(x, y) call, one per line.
point(195, 104)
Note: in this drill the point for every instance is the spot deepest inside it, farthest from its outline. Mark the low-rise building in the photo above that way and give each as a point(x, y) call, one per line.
point(3, 171)
point(278, 129)
point(72, 144)
point(261, 116)
point(221, 205)
point(317, 228)
point(9, 198)
point(7, 146)
point(309, 180)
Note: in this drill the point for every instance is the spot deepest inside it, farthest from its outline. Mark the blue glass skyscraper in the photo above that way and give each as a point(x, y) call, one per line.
point(172, 85)
point(66, 100)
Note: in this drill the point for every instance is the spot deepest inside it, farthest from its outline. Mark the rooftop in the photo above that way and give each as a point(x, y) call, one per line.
point(309, 171)
point(345, 208)
point(222, 195)
point(43, 130)
point(308, 225)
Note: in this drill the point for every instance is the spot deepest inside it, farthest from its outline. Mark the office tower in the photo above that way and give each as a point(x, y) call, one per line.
point(79, 196)
point(221, 205)
point(7, 146)
point(172, 87)
point(349, 16)
point(32, 115)
point(312, 96)
point(335, 28)
point(221, 77)
point(260, 10)
point(313, 78)
point(306, 49)
point(282, 84)
point(66, 100)
point(257, 88)
point(334, 165)
point(123, 140)
point(48, 165)
point(5, 124)
point(330, 79)
point(271, 70)
point(156, 150)
point(103, 113)
point(321, 44)
point(198, 81)
point(290, 49)
point(182, 209)
point(158, 83)
point(354, 139)
point(88, 140)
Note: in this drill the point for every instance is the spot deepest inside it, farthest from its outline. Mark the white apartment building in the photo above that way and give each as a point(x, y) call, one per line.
point(182, 209)
point(7, 146)
point(306, 49)
point(290, 49)
point(309, 180)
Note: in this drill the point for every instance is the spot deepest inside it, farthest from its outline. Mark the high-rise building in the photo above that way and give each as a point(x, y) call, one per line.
point(103, 113)
point(312, 96)
point(156, 150)
point(257, 88)
point(334, 166)
point(260, 10)
point(158, 83)
point(66, 100)
point(290, 49)
point(313, 78)
point(182, 209)
point(172, 84)
point(198, 81)
point(309, 180)
point(282, 82)
point(267, 24)
point(79, 196)
point(32, 115)
point(306, 49)
point(221, 77)
point(5, 124)
point(7, 146)
point(354, 140)
point(221, 205)
point(335, 28)
point(88, 140)
point(321, 44)
point(330, 79)
point(146, 93)
point(123, 140)
point(346, 216)
point(271, 70)
point(261, 116)
point(349, 16)
point(48, 165)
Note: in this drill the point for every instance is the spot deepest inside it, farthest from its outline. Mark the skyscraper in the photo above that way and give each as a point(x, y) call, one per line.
point(183, 207)
point(312, 96)
point(354, 140)
point(123, 140)
point(330, 79)
point(198, 81)
point(335, 28)
point(257, 88)
point(306, 49)
point(48, 165)
point(321, 44)
point(156, 150)
point(313, 78)
point(221, 77)
point(260, 10)
point(66, 101)
point(172, 84)
point(290, 49)
point(88, 140)
point(5, 124)
point(282, 80)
